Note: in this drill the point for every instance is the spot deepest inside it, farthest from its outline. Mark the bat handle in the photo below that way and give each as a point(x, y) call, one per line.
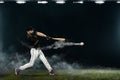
point(48, 37)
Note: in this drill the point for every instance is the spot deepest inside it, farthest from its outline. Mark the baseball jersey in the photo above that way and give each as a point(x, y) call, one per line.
point(33, 40)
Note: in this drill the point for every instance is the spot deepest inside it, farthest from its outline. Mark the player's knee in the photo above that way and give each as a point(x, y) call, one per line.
point(31, 64)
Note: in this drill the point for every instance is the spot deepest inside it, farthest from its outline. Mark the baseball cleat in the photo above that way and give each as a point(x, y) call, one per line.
point(17, 71)
point(52, 73)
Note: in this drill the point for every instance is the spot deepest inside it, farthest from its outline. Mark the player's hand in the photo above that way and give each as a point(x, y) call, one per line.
point(48, 37)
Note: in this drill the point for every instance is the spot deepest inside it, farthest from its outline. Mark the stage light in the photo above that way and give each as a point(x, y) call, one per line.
point(99, 1)
point(81, 2)
point(1, 1)
point(21, 1)
point(118, 1)
point(42, 2)
point(60, 1)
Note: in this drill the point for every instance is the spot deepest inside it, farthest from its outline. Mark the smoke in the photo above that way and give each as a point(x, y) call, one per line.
point(56, 45)
point(59, 64)
point(10, 62)
point(61, 44)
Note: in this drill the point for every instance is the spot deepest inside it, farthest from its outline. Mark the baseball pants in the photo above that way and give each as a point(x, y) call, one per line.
point(36, 53)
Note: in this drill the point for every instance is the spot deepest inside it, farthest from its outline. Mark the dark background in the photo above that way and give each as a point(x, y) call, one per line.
point(96, 25)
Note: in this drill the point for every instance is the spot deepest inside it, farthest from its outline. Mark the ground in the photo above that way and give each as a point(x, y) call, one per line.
point(82, 74)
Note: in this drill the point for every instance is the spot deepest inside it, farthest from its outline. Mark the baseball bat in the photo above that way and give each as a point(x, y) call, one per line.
point(59, 39)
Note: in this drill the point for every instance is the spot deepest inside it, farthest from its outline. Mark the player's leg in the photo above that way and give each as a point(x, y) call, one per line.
point(45, 62)
point(34, 55)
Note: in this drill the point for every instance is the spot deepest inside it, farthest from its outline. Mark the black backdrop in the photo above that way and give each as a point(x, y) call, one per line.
point(96, 25)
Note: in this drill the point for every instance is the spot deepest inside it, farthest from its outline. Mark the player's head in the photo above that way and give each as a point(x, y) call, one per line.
point(30, 30)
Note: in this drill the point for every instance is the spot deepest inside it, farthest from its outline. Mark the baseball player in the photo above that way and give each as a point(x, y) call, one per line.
point(35, 51)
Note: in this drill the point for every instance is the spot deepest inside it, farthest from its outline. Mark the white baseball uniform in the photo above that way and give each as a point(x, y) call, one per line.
point(36, 53)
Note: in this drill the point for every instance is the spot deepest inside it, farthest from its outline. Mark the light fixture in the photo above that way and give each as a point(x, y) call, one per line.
point(21, 1)
point(118, 1)
point(1, 1)
point(81, 2)
point(42, 2)
point(99, 1)
point(60, 1)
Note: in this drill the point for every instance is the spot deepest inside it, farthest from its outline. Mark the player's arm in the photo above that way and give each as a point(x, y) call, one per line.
point(40, 34)
point(48, 37)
